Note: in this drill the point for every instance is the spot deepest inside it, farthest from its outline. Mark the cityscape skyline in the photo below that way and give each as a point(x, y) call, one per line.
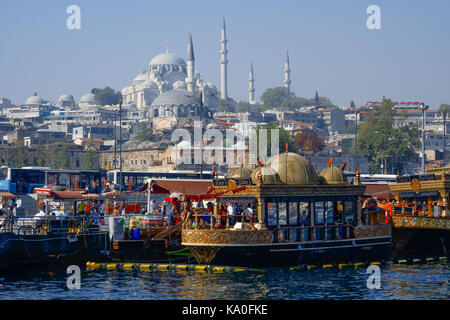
point(338, 56)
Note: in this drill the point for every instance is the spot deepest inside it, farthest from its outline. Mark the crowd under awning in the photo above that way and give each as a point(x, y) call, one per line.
point(7, 195)
point(186, 187)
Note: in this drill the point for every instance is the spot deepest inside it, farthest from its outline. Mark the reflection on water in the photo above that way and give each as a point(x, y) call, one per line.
point(426, 281)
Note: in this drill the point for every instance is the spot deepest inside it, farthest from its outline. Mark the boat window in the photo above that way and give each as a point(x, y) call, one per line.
point(293, 213)
point(305, 214)
point(319, 216)
point(271, 214)
point(282, 217)
point(329, 210)
point(349, 212)
point(339, 211)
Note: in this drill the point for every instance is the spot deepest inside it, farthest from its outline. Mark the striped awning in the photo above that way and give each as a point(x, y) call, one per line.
point(6, 195)
point(90, 196)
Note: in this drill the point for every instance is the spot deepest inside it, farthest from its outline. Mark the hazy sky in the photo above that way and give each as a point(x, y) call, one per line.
point(331, 49)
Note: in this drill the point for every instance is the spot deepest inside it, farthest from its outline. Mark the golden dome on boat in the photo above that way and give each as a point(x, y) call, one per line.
point(293, 169)
point(265, 175)
point(242, 173)
point(334, 175)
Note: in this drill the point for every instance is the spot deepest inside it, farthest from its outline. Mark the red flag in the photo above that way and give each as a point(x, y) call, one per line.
point(330, 161)
point(286, 146)
point(343, 166)
point(356, 169)
point(261, 163)
point(214, 173)
point(309, 160)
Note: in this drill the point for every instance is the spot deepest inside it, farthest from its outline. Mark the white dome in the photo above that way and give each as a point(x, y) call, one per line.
point(34, 100)
point(88, 98)
point(140, 77)
point(167, 58)
point(176, 97)
point(179, 85)
point(66, 98)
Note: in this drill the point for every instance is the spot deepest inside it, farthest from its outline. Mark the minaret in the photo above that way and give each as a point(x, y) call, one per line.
point(287, 73)
point(190, 81)
point(251, 86)
point(223, 63)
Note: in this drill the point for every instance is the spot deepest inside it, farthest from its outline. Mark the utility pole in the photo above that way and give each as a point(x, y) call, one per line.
point(120, 146)
point(423, 107)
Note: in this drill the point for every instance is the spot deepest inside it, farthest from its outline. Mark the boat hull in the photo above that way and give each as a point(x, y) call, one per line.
point(290, 254)
point(430, 241)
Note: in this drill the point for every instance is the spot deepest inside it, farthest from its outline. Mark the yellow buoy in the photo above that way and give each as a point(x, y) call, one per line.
point(200, 268)
point(145, 267)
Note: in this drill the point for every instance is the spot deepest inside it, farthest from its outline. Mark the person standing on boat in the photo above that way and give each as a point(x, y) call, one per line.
point(231, 217)
point(123, 207)
point(169, 217)
point(248, 213)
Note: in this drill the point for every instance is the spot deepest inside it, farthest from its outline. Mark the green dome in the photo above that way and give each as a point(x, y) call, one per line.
point(265, 175)
point(293, 169)
point(334, 175)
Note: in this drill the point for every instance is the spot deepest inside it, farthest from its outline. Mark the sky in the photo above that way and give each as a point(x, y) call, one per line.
point(331, 49)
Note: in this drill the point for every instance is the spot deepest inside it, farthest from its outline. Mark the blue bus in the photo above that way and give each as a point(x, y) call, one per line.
point(24, 180)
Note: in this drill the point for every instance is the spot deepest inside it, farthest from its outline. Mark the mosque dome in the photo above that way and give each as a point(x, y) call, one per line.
point(179, 85)
point(88, 98)
point(140, 77)
point(293, 169)
point(265, 175)
point(334, 175)
point(167, 58)
point(242, 173)
point(66, 98)
point(34, 100)
point(177, 97)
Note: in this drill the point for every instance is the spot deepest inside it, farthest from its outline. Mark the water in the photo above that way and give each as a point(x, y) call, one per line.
point(420, 281)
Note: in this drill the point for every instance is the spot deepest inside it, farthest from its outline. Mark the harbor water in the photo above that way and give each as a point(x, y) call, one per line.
point(427, 281)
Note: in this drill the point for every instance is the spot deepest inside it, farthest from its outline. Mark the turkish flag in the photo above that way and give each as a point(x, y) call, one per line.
point(330, 161)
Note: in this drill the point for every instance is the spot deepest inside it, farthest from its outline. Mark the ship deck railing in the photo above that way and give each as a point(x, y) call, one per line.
point(202, 221)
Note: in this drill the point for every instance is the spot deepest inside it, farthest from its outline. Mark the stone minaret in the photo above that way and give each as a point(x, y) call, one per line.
point(287, 73)
point(223, 63)
point(251, 86)
point(190, 80)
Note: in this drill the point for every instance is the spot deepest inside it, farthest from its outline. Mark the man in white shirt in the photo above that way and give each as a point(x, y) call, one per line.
point(230, 211)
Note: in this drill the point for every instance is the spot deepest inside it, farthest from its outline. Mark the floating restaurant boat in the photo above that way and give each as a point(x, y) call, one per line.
point(421, 212)
point(300, 217)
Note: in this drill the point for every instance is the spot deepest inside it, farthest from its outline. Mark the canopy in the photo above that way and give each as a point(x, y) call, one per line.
point(387, 196)
point(187, 187)
point(90, 196)
point(6, 195)
point(67, 195)
point(112, 194)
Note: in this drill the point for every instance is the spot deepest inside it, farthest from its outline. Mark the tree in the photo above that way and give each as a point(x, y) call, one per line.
point(444, 108)
point(106, 96)
point(91, 158)
point(243, 106)
point(379, 141)
point(308, 142)
point(145, 135)
point(282, 99)
point(17, 155)
point(352, 104)
point(63, 157)
point(226, 106)
point(42, 159)
point(283, 135)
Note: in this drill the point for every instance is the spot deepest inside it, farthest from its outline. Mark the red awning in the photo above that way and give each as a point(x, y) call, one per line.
point(67, 195)
point(6, 195)
point(191, 187)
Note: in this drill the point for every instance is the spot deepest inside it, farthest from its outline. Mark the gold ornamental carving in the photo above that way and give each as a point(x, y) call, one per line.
point(415, 185)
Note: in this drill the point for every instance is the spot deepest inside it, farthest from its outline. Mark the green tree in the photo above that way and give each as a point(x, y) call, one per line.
point(42, 156)
point(378, 140)
point(282, 99)
point(284, 137)
point(226, 106)
point(106, 96)
point(243, 106)
point(63, 157)
point(352, 104)
point(91, 158)
point(17, 155)
point(444, 108)
point(145, 135)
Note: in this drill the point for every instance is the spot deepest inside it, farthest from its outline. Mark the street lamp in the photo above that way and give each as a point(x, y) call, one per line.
point(423, 107)
point(356, 135)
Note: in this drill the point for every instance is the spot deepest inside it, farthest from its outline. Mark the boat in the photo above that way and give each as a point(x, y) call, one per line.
point(51, 237)
point(285, 214)
point(421, 213)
